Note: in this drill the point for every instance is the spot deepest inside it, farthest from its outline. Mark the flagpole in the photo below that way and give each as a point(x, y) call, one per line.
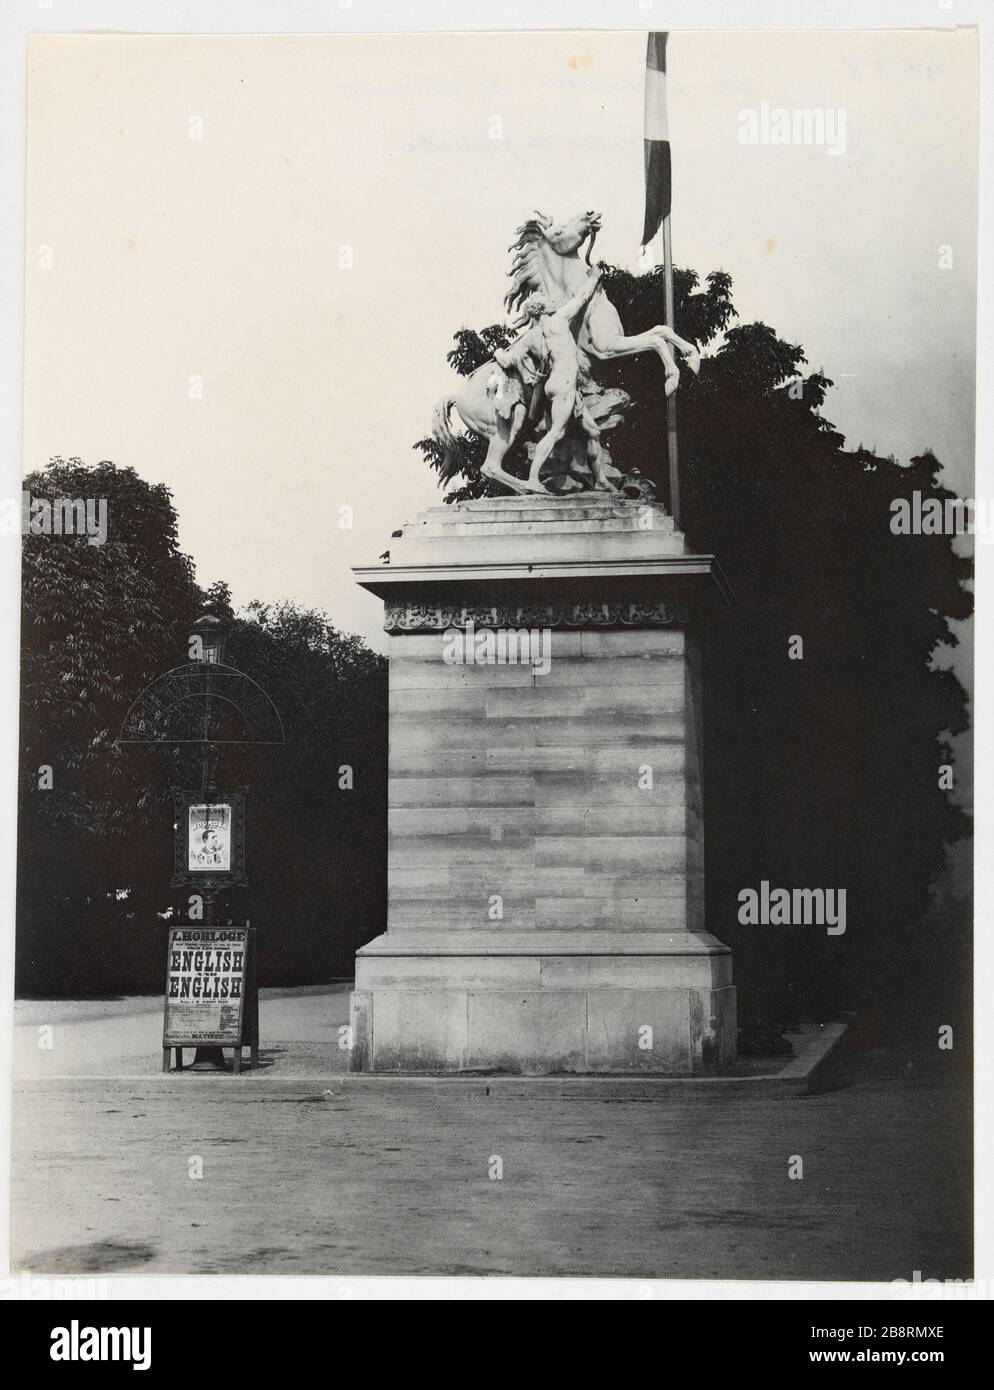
point(658, 202)
point(672, 450)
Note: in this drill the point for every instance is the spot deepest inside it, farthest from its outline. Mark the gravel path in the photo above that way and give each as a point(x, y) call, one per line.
point(310, 1177)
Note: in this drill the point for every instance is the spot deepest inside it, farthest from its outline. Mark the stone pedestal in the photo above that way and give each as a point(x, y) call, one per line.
point(546, 843)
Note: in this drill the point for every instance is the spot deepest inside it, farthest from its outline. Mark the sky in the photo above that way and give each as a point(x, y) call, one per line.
point(347, 207)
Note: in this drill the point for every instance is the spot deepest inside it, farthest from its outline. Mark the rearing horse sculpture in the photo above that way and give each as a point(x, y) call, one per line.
point(547, 262)
point(547, 258)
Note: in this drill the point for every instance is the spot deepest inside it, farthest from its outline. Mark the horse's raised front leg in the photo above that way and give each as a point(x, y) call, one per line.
point(690, 350)
point(654, 340)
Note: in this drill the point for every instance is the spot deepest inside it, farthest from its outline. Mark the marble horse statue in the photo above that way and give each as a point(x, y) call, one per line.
point(542, 379)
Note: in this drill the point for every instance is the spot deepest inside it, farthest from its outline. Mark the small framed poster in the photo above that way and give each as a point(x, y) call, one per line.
point(210, 839)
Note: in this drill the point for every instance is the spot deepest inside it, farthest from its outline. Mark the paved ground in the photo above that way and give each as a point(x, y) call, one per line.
point(123, 1036)
point(320, 1176)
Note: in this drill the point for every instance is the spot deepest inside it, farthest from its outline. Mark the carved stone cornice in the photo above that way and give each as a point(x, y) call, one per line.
point(427, 617)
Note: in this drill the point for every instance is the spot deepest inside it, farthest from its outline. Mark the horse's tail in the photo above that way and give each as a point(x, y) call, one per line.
point(441, 430)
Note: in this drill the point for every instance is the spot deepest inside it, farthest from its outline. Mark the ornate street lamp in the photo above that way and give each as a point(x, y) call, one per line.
point(207, 637)
point(210, 705)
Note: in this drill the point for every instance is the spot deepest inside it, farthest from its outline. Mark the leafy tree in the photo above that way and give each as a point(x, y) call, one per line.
point(101, 622)
point(98, 623)
point(822, 771)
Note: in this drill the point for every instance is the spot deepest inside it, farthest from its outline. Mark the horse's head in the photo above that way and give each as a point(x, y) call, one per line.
point(541, 247)
point(567, 237)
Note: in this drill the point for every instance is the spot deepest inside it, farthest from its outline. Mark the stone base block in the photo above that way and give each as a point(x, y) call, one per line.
point(659, 1004)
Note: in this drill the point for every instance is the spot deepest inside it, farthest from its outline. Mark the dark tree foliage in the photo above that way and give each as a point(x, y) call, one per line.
point(473, 349)
point(821, 772)
point(99, 623)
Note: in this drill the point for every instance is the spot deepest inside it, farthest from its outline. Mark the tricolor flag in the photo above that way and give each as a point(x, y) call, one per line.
point(658, 175)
